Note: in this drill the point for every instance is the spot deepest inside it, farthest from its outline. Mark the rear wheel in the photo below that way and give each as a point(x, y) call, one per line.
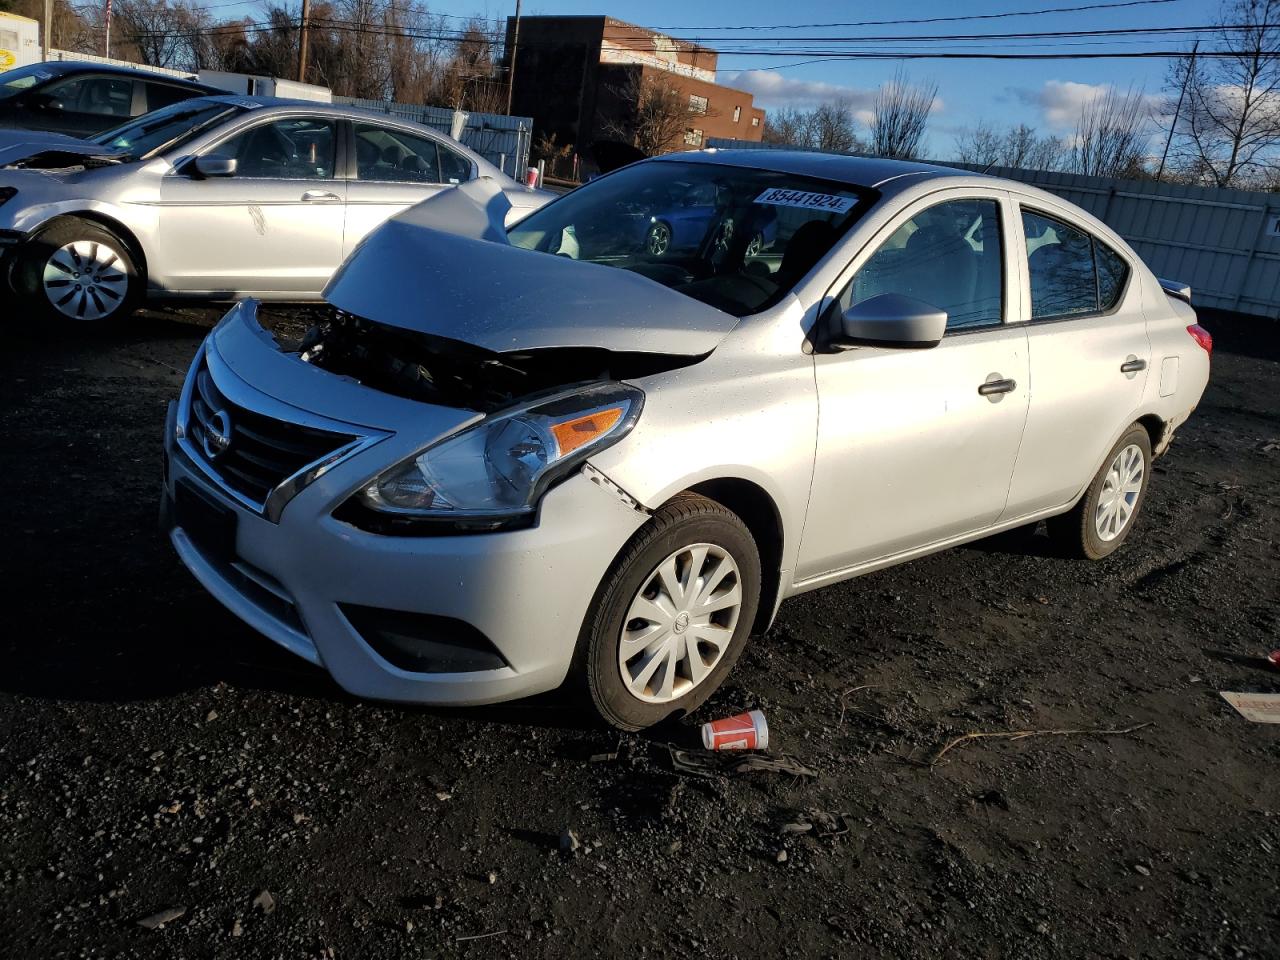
point(672, 615)
point(1101, 521)
point(78, 272)
point(658, 240)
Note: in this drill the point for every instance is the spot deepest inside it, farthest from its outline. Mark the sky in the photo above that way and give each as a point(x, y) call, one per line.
point(1043, 94)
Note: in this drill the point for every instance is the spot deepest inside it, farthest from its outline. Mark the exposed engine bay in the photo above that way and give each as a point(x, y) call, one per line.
point(439, 370)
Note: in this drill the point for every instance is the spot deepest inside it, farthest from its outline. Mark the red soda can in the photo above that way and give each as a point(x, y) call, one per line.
point(746, 731)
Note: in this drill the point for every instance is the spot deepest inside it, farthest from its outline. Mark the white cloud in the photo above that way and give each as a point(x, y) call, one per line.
point(773, 90)
point(1060, 101)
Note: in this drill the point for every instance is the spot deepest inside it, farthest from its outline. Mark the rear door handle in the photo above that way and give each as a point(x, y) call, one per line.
point(1133, 365)
point(321, 196)
point(997, 387)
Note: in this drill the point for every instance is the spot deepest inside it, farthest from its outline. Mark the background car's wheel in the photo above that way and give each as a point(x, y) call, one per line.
point(755, 246)
point(1101, 521)
point(672, 615)
point(658, 240)
point(78, 272)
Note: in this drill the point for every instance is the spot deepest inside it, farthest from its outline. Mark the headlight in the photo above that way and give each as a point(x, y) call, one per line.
point(492, 474)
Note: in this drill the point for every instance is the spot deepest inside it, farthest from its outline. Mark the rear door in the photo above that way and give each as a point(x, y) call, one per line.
point(393, 168)
point(1089, 356)
point(916, 446)
point(274, 228)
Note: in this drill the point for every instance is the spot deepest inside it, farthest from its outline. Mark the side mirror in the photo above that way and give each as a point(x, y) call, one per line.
point(45, 101)
point(212, 165)
point(893, 320)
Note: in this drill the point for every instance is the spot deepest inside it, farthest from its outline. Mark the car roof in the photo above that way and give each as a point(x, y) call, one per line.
point(858, 171)
point(64, 67)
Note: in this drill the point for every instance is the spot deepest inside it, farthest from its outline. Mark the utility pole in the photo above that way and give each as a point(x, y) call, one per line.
point(106, 49)
point(511, 66)
point(1177, 111)
point(302, 41)
point(48, 28)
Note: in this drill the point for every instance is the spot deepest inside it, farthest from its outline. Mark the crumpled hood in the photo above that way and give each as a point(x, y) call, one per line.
point(18, 145)
point(469, 284)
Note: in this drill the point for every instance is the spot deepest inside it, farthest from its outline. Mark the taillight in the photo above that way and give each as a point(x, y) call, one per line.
point(1201, 336)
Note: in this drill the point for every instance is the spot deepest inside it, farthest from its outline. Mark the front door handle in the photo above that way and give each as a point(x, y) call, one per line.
point(1133, 365)
point(996, 387)
point(320, 196)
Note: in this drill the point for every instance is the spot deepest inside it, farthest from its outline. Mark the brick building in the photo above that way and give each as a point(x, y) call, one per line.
point(573, 75)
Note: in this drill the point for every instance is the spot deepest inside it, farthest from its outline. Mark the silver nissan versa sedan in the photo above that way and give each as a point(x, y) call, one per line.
point(507, 457)
point(213, 198)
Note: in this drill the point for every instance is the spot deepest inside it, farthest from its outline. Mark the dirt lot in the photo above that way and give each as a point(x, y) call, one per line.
point(157, 754)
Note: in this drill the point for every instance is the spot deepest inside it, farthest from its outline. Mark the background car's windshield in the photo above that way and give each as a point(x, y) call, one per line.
point(13, 82)
point(736, 238)
point(169, 127)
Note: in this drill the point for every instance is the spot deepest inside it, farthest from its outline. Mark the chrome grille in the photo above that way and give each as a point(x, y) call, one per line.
point(251, 453)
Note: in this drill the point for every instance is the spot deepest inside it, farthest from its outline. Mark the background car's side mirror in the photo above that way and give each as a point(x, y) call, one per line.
point(212, 165)
point(893, 320)
point(44, 101)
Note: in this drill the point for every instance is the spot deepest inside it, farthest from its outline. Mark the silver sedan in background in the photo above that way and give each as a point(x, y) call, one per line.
point(214, 198)
point(581, 458)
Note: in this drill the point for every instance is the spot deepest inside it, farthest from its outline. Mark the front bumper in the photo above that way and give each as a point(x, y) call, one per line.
point(527, 591)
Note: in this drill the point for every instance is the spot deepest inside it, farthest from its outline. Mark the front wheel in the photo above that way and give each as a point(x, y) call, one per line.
point(658, 240)
point(78, 272)
point(1101, 521)
point(672, 615)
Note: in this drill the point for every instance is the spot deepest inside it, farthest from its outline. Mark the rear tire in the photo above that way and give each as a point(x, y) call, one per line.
point(78, 273)
point(1097, 525)
point(709, 559)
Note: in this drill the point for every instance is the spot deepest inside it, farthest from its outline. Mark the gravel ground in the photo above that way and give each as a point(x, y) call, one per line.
point(159, 756)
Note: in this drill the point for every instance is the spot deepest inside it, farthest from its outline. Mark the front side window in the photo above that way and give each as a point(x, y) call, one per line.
point(293, 148)
point(950, 256)
point(1072, 272)
point(737, 238)
point(104, 96)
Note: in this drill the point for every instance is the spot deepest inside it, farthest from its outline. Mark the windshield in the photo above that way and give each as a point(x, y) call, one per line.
point(13, 82)
point(168, 127)
point(736, 238)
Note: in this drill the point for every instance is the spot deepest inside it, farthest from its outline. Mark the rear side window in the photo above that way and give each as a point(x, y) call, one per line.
point(1071, 272)
point(105, 96)
point(454, 168)
point(163, 95)
point(391, 155)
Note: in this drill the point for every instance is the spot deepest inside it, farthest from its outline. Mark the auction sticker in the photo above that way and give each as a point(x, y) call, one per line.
point(779, 197)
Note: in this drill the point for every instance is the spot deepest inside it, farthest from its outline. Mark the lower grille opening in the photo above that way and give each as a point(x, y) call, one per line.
point(423, 642)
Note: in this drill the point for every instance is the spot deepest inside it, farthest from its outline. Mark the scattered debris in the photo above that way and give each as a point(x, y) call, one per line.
point(1023, 734)
point(265, 902)
point(1142, 868)
point(237, 929)
point(743, 731)
point(706, 763)
point(992, 798)
point(481, 936)
point(818, 822)
point(444, 795)
point(493, 878)
point(844, 697)
point(603, 757)
point(1255, 707)
point(781, 856)
point(157, 920)
point(569, 842)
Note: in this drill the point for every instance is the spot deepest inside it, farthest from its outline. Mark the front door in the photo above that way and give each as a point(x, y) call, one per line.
point(916, 446)
point(273, 228)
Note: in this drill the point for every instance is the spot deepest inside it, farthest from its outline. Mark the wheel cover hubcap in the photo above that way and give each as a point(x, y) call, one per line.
point(1119, 495)
point(680, 623)
point(85, 280)
point(659, 240)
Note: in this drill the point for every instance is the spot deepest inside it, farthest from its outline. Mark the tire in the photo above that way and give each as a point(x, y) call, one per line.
point(657, 242)
point(49, 271)
point(690, 526)
point(1097, 525)
point(755, 246)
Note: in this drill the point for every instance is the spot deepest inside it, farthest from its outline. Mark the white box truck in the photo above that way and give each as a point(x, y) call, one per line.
point(19, 41)
point(248, 85)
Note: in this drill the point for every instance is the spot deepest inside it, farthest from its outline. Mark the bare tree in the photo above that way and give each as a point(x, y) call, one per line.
point(655, 115)
point(1111, 135)
point(829, 126)
point(1229, 124)
point(901, 114)
point(980, 145)
point(788, 126)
